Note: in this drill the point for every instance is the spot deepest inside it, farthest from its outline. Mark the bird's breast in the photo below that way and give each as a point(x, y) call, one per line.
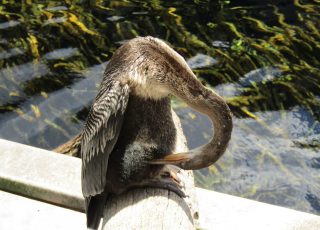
point(147, 133)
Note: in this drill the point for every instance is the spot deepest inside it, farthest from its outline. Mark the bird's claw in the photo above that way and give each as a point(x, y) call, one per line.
point(166, 178)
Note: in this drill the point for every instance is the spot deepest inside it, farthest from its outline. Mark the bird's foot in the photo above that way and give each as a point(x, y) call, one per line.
point(166, 178)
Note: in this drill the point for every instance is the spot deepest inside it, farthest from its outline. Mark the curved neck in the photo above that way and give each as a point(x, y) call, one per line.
point(207, 102)
point(159, 70)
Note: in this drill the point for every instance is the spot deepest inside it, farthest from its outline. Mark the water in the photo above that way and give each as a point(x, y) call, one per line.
point(262, 57)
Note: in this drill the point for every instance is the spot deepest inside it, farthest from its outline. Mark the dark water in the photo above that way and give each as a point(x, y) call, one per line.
point(262, 57)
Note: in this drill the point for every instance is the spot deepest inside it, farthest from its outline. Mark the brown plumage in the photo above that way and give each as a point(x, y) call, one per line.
point(130, 135)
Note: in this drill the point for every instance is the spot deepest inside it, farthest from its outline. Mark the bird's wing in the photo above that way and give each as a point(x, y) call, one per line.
point(100, 135)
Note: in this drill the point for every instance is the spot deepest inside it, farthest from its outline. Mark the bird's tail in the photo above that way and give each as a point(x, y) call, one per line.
point(94, 209)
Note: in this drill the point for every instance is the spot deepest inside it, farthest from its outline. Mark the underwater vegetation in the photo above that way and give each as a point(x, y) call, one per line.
point(262, 56)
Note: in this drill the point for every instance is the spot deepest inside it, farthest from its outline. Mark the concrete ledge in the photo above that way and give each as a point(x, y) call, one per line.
point(40, 174)
point(220, 211)
point(55, 179)
point(21, 213)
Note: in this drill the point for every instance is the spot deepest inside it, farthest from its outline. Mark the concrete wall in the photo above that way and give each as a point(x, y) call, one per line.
point(41, 190)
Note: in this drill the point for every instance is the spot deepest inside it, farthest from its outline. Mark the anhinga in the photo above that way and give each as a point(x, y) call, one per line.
point(129, 138)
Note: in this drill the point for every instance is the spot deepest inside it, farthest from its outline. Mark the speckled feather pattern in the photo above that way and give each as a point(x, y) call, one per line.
point(130, 122)
point(100, 135)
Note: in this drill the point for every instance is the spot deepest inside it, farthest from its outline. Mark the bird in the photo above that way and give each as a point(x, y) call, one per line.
point(129, 138)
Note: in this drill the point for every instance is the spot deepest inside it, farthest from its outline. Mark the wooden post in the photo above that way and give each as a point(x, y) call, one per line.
point(149, 208)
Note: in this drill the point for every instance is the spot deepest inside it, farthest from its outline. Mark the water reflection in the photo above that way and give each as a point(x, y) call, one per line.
point(201, 61)
point(5, 25)
point(257, 163)
point(58, 113)
point(254, 77)
point(11, 53)
point(55, 20)
point(61, 53)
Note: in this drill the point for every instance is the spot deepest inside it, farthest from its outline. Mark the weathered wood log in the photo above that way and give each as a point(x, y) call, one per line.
point(72, 147)
point(149, 208)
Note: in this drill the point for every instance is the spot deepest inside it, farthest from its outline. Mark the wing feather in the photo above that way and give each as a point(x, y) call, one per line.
point(100, 135)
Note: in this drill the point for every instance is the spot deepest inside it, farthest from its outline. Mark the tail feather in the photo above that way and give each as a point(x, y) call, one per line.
point(94, 210)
